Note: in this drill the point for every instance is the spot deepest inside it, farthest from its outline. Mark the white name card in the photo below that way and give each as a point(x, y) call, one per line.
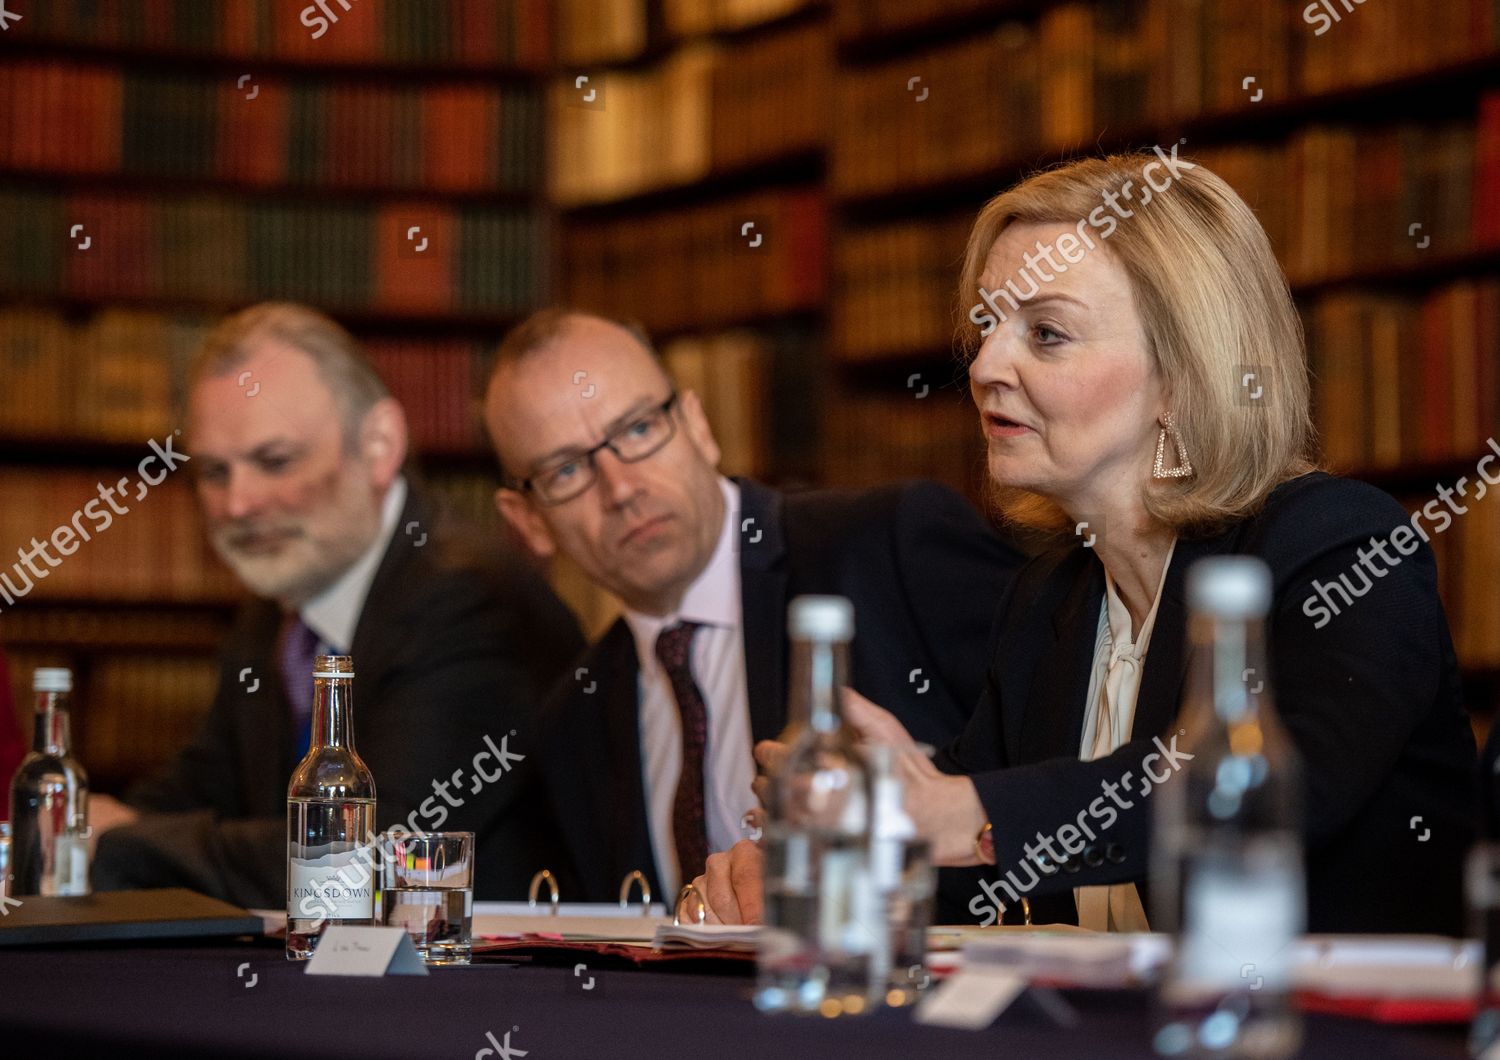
point(374, 951)
point(970, 999)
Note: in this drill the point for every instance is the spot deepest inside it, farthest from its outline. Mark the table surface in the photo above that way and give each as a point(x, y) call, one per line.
point(228, 1000)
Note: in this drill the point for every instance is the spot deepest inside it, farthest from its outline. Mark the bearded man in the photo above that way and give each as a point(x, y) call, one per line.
point(298, 452)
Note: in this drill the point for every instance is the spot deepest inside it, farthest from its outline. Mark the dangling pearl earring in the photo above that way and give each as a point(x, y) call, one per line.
point(1184, 467)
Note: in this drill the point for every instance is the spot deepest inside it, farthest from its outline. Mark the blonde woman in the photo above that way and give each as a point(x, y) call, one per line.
point(1140, 376)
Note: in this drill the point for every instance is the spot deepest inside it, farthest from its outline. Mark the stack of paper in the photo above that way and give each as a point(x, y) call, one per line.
point(740, 938)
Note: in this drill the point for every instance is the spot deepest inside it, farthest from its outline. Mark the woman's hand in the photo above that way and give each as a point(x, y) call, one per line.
point(946, 809)
point(732, 885)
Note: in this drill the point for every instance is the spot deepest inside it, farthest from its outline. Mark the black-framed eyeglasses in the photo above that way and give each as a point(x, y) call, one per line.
point(634, 440)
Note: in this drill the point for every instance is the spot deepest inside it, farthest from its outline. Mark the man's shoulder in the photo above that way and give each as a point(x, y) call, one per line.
point(444, 582)
point(599, 668)
point(452, 563)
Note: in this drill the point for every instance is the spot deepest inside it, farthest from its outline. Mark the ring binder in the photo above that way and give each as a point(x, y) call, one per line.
point(636, 876)
point(545, 876)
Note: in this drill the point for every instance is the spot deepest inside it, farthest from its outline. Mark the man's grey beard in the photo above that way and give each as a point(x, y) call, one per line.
point(302, 570)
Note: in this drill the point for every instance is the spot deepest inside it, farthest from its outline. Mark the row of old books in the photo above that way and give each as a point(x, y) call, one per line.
point(479, 34)
point(1154, 61)
point(619, 133)
point(73, 117)
point(132, 712)
point(117, 377)
point(440, 383)
point(926, 428)
point(1341, 200)
point(702, 109)
point(702, 267)
point(1406, 379)
point(895, 286)
point(771, 98)
point(1464, 531)
point(115, 533)
point(114, 378)
point(731, 374)
point(398, 257)
point(610, 31)
point(975, 106)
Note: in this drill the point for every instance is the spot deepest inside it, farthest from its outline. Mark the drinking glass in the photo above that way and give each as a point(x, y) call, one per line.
point(427, 887)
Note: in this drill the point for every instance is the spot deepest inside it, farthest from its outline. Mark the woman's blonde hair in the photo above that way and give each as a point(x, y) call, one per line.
point(1215, 310)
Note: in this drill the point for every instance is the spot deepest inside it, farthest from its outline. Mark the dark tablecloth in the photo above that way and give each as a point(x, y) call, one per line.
point(225, 1000)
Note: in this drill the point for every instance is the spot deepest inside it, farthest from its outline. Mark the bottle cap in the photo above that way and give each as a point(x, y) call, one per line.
point(52, 679)
point(1235, 587)
point(821, 618)
point(333, 666)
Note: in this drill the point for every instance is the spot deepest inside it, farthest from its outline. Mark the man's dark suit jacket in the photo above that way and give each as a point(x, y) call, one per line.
point(452, 646)
point(1371, 701)
point(924, 572)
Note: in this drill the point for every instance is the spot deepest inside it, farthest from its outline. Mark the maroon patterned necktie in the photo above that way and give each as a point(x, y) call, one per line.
point(689, 816)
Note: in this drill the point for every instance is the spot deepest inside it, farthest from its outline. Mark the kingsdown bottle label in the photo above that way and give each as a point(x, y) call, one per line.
point(332, 886)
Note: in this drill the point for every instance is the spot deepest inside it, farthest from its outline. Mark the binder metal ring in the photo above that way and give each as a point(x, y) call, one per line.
point(635, 876)
point(536, 882)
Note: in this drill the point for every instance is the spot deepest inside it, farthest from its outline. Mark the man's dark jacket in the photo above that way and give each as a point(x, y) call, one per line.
point(453, 652)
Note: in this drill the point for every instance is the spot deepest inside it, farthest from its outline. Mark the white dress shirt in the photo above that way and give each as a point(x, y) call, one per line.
point(1107, 720)
point(334, 613)
point(717, 662)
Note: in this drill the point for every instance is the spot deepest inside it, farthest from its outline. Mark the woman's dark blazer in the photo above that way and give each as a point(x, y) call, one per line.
point(1370, 696)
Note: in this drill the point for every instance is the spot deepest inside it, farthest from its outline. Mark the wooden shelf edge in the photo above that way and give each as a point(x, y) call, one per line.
point(389, 320)
point(803, 164)
point(1417, 475)
point(217, 62)
point(160, 186)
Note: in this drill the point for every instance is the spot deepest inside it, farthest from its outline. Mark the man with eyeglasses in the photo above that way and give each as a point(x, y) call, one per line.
point(646, 744)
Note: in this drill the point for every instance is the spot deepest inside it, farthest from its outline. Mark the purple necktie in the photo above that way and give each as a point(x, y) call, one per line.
point(689, 817)
point(299, 648)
